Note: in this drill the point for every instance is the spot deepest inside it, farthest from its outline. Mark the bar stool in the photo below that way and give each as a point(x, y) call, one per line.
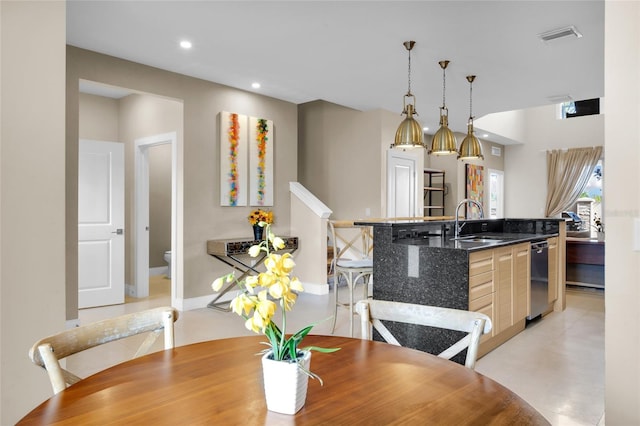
point(358, 243)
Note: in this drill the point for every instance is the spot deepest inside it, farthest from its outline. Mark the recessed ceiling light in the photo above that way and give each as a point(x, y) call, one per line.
point(186, 44)
point(486, 135)
point(255, 85)
point(425, 128)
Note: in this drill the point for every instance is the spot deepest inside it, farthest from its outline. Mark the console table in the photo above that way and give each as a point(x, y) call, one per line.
point(234, 252)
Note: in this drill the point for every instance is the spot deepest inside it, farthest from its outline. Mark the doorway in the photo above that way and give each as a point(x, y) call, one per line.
point(141, 216)
point(496, 194)
point(404, 183)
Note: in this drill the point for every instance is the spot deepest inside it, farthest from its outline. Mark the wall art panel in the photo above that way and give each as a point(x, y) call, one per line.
point(233, 159)
point(475, 188)
point(261, 146)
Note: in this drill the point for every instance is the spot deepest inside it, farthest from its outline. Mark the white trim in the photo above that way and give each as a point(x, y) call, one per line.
point(159, 270)
point(141, 214)
point(310, 200)
point(130, 290)
point(202, 301)
point(72, 323)
point(317, 289)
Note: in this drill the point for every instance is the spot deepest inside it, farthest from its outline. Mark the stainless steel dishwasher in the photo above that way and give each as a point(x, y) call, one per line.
point(539, 301)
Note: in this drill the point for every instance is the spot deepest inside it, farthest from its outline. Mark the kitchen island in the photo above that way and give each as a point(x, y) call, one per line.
point(485, 269)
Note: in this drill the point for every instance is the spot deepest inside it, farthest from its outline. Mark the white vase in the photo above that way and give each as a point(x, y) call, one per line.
point(285, 384)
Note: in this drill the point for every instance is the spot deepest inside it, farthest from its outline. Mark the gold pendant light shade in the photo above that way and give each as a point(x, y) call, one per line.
point(444, 141)
point(470, 148)
point(409, 133)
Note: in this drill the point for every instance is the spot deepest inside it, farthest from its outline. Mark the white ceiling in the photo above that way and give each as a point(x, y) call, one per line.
point(351, 53)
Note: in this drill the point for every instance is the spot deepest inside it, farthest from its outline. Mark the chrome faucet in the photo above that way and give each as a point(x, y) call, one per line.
point(457, 228)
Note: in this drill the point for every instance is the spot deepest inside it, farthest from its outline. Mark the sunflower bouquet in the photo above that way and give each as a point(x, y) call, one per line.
point(259, 215)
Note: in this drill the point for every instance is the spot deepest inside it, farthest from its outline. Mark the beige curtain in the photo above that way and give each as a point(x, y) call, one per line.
point(568, 173)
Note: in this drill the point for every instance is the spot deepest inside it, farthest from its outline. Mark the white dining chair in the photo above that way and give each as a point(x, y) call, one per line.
point(373, 312)
point(352, 260)
point(49, 351)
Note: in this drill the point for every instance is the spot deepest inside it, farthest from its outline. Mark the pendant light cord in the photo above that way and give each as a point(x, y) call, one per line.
point(409, 74)
point(471, 101)
point(444, 86)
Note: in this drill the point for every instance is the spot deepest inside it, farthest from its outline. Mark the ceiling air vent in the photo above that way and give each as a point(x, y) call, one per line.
point(569, 31)
point(558, 99)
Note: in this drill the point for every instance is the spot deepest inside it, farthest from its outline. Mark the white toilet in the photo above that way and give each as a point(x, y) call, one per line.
point(167, 258)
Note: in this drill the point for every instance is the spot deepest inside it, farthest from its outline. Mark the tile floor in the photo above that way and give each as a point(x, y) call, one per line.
point(556, 364)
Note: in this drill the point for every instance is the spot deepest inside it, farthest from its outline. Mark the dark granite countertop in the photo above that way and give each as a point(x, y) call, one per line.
point(476, 241)
point(476, 234)
point(394, 222)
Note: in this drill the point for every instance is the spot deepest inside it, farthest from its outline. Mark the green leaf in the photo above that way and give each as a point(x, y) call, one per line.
point(317, 349)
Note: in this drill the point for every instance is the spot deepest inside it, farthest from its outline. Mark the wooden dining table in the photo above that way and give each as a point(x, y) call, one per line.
point(220, 382)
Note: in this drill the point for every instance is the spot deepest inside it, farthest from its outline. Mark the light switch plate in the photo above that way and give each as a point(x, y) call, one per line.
point(413, 261)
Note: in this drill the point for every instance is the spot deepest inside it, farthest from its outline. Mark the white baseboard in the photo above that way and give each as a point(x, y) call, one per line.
point(200, 302)
point(130, 290)
point(159, 270)
point(318, 289)
point(73, 323)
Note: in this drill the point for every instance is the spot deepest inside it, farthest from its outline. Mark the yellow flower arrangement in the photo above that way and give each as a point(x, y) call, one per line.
point(256, 302)
point(259, 215)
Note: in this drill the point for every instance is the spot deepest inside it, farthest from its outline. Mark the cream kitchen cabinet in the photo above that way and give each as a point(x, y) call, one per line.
point(499, 287)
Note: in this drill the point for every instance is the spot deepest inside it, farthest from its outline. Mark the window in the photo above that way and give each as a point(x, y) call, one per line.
point(580, 108)
point(593, 191)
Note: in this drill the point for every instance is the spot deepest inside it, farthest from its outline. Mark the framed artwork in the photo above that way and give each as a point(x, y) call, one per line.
point(475, 188)
point(261, 145)
point(233, 159)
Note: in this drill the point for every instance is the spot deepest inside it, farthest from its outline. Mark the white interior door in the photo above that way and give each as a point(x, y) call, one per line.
point(496, 194)
point(100, 223)
point(404, 187)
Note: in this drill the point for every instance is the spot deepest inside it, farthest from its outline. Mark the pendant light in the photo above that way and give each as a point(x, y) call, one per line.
point(470, 148)
point(409, 133)
point(444, 141)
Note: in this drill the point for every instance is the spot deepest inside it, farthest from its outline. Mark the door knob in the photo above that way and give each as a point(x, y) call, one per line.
point(118, 231)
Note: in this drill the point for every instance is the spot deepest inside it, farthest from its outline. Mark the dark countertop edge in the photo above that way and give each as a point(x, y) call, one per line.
point(529, 238)
point(477, 246)
point(391, 222)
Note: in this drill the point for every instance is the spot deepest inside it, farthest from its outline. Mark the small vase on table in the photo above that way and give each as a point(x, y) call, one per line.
point(257, 232)
point(285, 384)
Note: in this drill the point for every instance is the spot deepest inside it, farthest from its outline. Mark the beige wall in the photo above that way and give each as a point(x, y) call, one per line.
point(622, 168)
point(342, 157)
point(200, 216)
point(98, 118)
point(32, 224)
point(525, 181)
